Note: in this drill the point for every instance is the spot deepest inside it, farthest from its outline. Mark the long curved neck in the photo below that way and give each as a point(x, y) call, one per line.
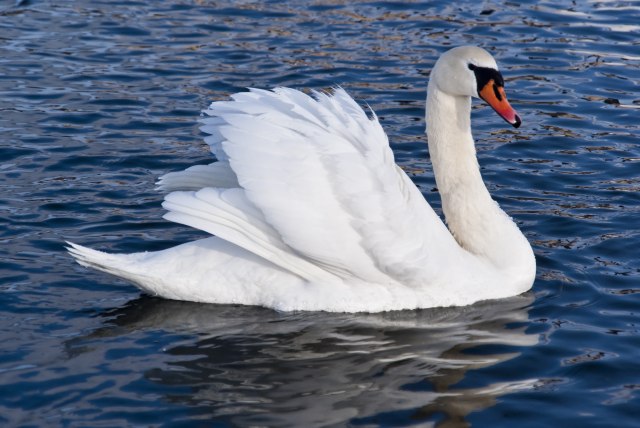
point(473, 217)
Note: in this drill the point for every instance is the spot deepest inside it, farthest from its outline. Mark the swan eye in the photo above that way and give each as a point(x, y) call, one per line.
point(488, 78)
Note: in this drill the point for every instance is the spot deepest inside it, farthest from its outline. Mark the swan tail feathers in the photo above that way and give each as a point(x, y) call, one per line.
point(120, 265)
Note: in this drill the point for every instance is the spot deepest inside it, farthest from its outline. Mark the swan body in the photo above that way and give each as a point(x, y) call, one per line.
point(308, 210)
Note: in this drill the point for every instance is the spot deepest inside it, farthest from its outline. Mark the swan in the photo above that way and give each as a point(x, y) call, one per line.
point(308, 210)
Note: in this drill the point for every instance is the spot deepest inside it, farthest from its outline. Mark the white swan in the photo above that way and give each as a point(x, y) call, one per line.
point(310, 211)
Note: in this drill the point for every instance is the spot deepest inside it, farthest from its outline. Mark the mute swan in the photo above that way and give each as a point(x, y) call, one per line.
point(310, 211)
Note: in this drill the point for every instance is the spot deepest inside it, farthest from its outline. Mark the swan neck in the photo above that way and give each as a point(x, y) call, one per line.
point(473, 217)
point(452, 149)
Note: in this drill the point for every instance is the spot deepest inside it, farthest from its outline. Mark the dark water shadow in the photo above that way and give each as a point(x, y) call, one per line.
point(255, 366)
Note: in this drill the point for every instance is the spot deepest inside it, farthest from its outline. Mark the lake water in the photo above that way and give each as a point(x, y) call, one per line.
point(99, 98)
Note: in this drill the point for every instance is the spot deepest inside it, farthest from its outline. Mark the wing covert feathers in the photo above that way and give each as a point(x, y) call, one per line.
point(317, 192)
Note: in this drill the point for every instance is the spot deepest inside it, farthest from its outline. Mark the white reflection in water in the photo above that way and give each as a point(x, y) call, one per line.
point(262, 367)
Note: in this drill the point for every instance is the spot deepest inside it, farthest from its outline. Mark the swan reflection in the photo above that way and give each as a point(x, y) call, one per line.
point(255, 366)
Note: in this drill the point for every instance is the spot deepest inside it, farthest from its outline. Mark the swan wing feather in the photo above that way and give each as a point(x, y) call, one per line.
point(227, 214)
point(322, 179)
point(218, 174)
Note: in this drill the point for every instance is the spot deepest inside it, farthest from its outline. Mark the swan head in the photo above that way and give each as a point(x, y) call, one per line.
point(471, 71)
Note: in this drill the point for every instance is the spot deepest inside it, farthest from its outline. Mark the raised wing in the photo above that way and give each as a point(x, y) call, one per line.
point(319, 180)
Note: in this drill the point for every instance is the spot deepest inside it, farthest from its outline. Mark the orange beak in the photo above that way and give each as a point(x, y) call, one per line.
point(494, 95)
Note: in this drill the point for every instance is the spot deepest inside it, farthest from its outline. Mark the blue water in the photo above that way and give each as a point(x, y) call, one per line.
point(99, 98)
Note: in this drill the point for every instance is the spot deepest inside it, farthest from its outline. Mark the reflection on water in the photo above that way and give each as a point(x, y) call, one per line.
point(308, 369)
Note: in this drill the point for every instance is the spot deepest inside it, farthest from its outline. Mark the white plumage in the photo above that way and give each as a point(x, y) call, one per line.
point(310, 212)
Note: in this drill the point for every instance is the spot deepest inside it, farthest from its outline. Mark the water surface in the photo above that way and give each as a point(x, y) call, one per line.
point(97, 99)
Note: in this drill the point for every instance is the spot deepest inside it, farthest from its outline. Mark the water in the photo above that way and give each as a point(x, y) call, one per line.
point(97, 99)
